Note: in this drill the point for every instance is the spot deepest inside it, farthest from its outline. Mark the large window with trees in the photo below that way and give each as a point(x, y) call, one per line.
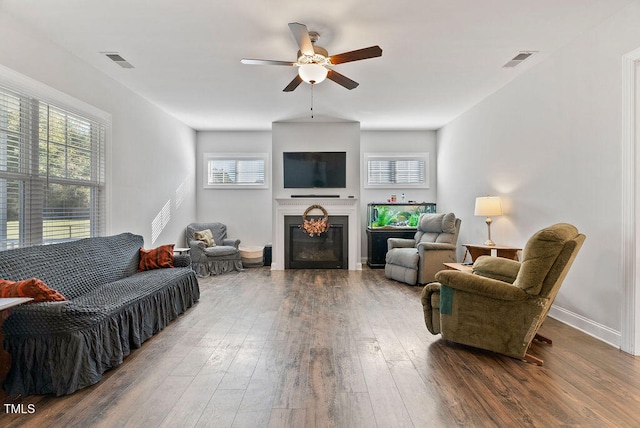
point(52, 172)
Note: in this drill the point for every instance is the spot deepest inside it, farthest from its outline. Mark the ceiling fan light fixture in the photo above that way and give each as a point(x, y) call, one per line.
point(312, 73)
point(314, 62)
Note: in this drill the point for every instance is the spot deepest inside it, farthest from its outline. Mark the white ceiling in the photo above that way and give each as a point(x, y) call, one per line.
point(440, 57)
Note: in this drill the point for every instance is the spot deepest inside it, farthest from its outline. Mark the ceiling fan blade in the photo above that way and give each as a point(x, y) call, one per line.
point(266, 62)
point(365, 53)
point(301, 34)
point(342, 80)
point(293, 85)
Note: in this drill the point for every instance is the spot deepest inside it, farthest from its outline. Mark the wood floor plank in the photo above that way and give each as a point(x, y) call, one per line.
point(187, 410)
point(293, 367)
point(193, 362)
point(334, 348)
point(223, 355)
point(260, 391)
point(355, 410)
point(119, 411)
point(287, 418)
point(386, 338)
point(239, 373)
point(189, 407)
point(348, 369)
point(421, 405)
point(388, 407)
point(221, 409)
point(160, 402)
point(322, 393)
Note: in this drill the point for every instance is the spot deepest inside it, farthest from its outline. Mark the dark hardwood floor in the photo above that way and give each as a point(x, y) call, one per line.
point(328, 348)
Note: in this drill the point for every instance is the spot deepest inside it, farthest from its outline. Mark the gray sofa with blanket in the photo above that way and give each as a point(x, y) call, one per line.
point(60, 347)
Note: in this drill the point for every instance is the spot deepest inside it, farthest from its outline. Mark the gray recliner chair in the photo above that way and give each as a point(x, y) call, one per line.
point(416, 261)
point(223, 256)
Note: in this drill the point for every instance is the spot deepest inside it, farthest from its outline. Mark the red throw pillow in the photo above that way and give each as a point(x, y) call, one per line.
point(161, 257)
point(30, 288)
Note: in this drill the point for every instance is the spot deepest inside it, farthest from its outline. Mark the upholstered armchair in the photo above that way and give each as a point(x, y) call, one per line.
point(417, 260)
point(212, 253)
point(501, 305)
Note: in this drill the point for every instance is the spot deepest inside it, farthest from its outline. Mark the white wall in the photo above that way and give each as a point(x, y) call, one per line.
point(246, 212)
point(320, 134)
point(317, 136)
point(549, 143)
point(396, 142)
point(151, 155)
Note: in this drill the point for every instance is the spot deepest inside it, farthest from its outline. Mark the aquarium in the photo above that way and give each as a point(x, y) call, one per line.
point(401, 215)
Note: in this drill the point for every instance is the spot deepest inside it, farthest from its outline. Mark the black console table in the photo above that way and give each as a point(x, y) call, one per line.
point(377, 243)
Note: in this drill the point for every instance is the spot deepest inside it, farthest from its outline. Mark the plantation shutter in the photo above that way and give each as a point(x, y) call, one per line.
point(52, 177)
point(395, 171)
point(236, 171)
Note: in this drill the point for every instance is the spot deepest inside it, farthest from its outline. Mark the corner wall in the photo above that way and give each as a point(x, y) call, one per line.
point(245, 212)
point(395, 142)
point(549, 143)
point(150, 165)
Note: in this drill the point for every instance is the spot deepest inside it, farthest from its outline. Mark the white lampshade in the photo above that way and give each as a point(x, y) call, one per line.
point(312, 73)
point(488, 206)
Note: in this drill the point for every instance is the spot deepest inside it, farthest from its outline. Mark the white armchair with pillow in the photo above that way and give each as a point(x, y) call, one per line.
point(212, 252)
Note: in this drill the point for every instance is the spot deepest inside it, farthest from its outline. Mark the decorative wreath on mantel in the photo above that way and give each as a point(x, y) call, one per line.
point(315, 227)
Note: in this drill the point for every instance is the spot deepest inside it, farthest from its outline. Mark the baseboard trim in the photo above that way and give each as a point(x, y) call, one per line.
point(585, 325)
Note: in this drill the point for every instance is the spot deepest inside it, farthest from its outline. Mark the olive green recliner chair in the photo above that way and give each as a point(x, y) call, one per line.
point(502, 304)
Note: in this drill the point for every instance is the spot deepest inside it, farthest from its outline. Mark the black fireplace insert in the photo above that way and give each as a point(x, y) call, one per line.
point(329, 250)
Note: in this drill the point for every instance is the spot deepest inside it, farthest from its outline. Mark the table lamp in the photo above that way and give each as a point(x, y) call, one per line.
point(488, 206)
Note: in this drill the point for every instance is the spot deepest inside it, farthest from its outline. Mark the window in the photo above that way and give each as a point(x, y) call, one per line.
point(52, 172)
point(402, 170)
point(238, 171)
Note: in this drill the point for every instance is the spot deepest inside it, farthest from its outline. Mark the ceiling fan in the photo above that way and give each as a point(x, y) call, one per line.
point(314, 61)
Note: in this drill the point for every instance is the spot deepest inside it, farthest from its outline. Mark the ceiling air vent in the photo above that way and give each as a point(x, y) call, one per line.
point(518, 59)
point(118, 60)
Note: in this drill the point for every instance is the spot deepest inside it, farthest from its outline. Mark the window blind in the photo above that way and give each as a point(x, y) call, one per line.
point(236, 171)
point(52, 172)
point(395, 171)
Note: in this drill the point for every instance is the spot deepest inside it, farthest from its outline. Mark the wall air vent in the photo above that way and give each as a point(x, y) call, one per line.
point(115, 57)
point(518, 59)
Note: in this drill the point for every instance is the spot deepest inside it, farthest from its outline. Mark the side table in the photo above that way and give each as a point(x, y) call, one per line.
point(477, 250)
point(9, 302)
point(458, 266)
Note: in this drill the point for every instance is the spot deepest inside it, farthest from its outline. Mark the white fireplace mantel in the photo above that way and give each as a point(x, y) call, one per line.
point(334, 206)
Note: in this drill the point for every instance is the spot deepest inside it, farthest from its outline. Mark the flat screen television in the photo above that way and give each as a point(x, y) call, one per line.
point(308, 170)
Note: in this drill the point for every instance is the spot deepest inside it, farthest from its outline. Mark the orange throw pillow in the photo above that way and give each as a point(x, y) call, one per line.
point(161, 257)
point(30, 288)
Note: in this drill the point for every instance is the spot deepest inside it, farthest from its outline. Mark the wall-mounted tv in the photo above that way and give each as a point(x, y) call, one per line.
point(306, 170)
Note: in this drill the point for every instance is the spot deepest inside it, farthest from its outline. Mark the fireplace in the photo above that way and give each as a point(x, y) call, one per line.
point(336, 207)
point(329, 250)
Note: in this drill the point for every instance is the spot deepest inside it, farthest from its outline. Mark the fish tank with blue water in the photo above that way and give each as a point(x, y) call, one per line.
point(400, 215)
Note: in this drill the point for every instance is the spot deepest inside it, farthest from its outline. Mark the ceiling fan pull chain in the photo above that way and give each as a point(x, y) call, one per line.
point(312, 85)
